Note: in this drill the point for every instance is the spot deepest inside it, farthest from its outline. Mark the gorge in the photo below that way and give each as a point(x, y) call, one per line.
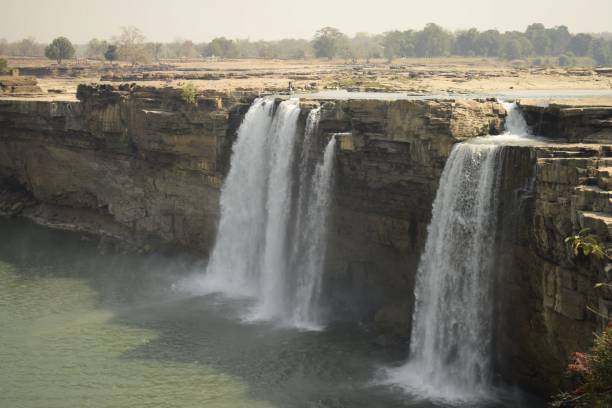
point(340, 194)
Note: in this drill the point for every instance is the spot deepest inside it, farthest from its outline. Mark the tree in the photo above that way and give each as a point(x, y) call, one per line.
point(154, 49)
point(465, 42)
point(4, 46)
point(580, 44)
point(111, 54)
point(512, 49)
point(3, 65)
point(28, 47)
point(393, 45)
point(96, 48)
point(188, 49)
point(222, 47)
point(365, 46)
point(131, 45)
point(329, 42)
point(560, 38)
point(602, 51)
point(540, 38)
point(433, 41)
point(515, 45)
point(488, 43)
point(59, 49)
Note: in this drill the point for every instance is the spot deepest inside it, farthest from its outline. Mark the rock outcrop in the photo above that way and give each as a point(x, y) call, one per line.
point(19, 86)
point(133, 163)
point(583, 124)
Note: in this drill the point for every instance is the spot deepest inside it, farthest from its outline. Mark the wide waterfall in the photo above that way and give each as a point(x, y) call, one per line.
point(451, 344)
point(270, 242)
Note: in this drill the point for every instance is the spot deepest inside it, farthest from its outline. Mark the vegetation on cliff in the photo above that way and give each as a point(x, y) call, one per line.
point(590, 376)
point(189, 94)
point(585, 244)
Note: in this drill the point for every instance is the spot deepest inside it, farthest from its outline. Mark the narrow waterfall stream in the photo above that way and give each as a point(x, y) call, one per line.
point(451, 343)
point(309, 252)
point(270, 242)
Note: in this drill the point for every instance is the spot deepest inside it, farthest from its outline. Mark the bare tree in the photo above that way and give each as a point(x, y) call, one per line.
point(132, 46)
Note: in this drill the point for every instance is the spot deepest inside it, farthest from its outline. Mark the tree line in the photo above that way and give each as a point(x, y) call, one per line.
point(537, 42)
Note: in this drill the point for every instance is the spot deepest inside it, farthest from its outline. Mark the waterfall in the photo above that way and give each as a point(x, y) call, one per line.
point(310, 240)
point(270, 242)
point(278, 207)
point(235, 259)
point(451, 343)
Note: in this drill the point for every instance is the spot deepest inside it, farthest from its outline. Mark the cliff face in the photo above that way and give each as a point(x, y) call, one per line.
point(548, 292)
point(141, 165)
point(390, 159)
point(136, 164)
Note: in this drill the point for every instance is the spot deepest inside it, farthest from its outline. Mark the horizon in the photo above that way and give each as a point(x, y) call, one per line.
point(30, 18)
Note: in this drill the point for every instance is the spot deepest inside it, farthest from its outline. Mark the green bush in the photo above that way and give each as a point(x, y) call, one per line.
point(585, 244)
point(3, 65)
point(189, 94)
point(590, 375)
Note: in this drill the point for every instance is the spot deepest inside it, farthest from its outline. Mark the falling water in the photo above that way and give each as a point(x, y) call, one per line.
point(453, 319)
point(235, 260)
point(311, 241)
point(271, 242)
point(278, 207)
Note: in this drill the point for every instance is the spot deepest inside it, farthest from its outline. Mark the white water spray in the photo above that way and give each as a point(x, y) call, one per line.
point(450, 349)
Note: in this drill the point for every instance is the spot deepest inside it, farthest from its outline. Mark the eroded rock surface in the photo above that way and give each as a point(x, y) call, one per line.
point(137, 163)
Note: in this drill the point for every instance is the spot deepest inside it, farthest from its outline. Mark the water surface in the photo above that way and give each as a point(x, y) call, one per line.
point(84, 329)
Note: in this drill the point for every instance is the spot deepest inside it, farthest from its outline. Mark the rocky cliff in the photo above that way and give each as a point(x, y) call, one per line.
point(552, 305)
point(137, 164)
point(144, 166)
point(390, 160)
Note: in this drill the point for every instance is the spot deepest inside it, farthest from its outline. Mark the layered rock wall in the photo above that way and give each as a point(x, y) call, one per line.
point(553, 307)
point(133, 163)
point(390, 159)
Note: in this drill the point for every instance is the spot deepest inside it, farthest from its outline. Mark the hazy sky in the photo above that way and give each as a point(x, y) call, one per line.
point(202, 20)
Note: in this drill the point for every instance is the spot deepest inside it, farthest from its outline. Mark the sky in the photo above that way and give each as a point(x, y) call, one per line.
point(202, 20)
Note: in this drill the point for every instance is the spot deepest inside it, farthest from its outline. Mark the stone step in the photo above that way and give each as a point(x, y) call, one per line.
point(592, 198)
point(598, 223)
point(604, 177)
point(605, 161)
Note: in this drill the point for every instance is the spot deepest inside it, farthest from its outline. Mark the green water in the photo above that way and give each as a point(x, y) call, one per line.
point(83, 329)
